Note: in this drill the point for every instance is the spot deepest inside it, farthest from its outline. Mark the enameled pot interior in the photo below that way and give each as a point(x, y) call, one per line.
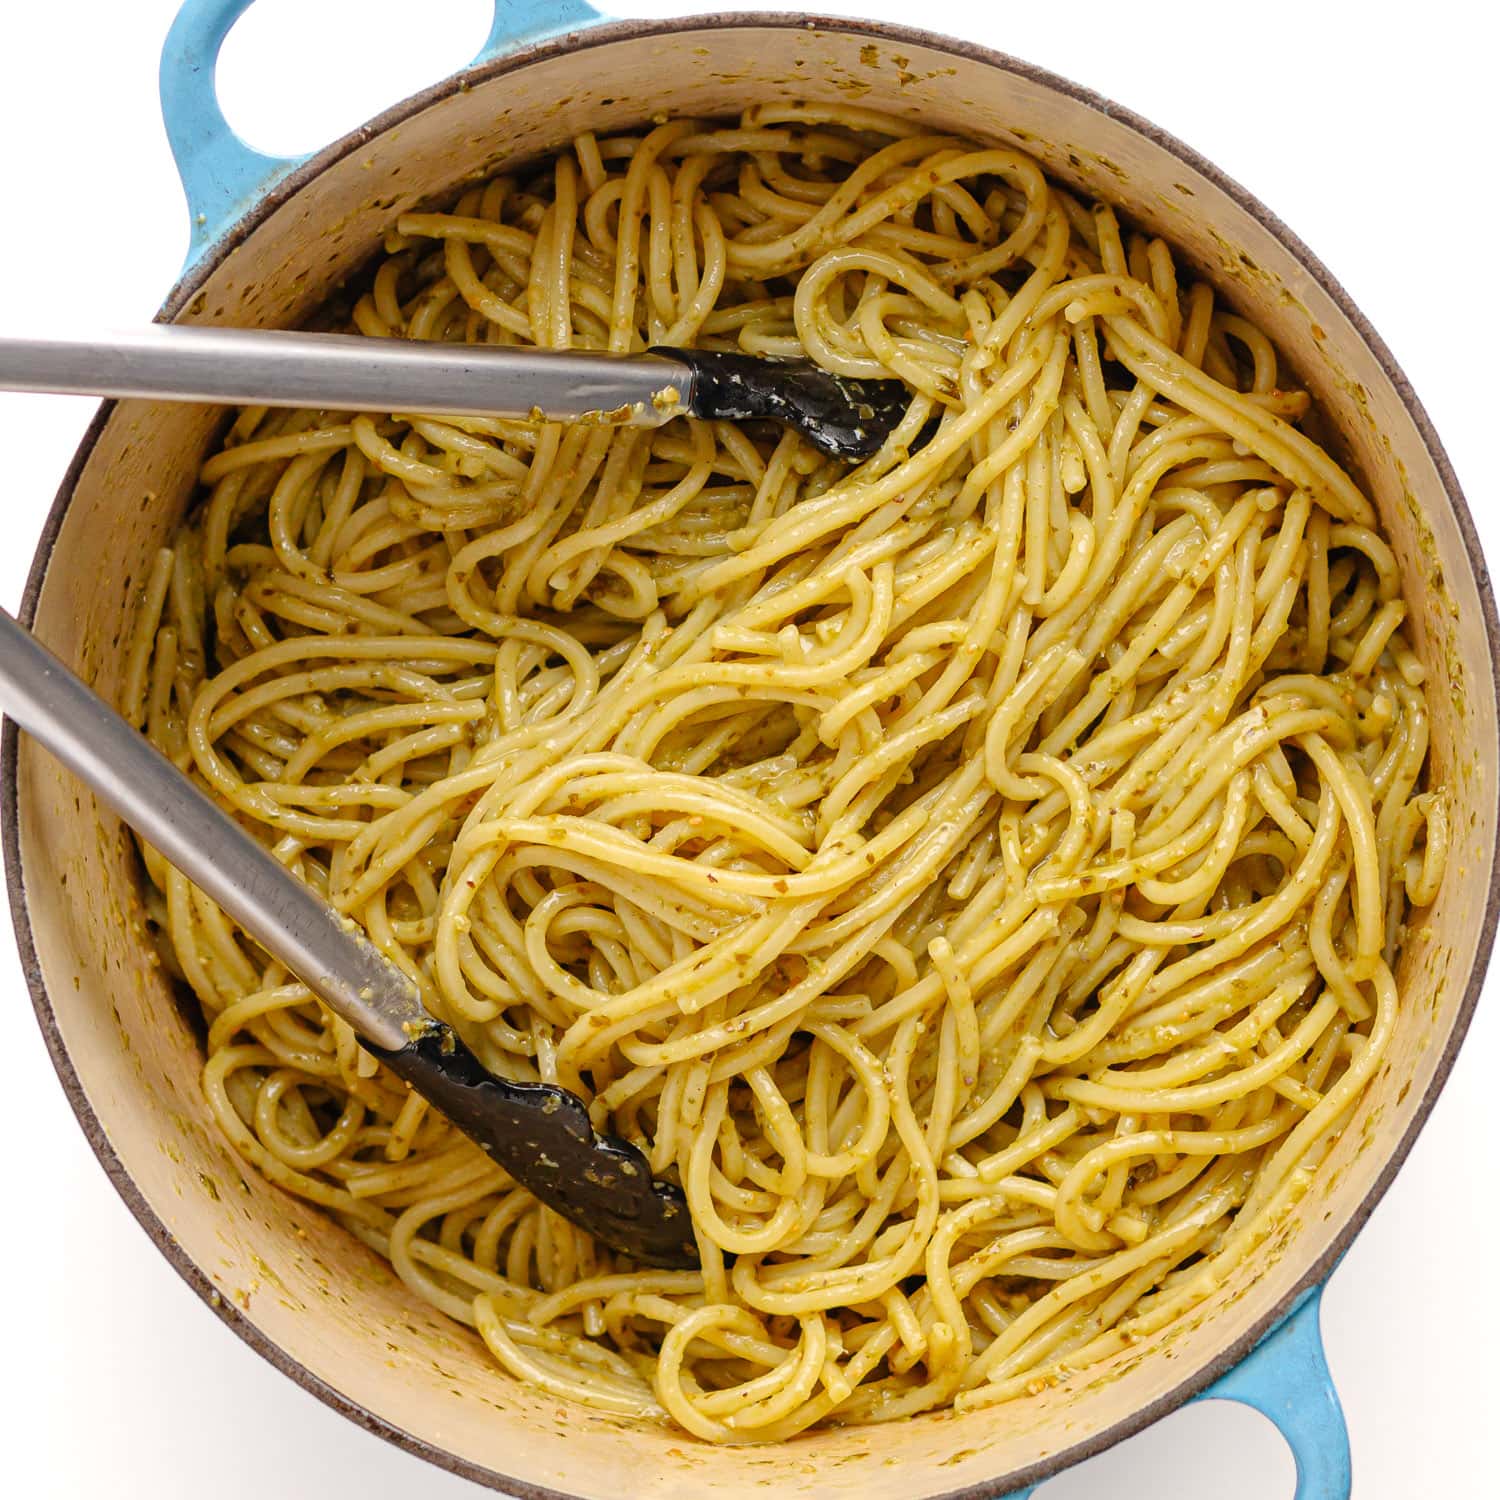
point(312, 1296)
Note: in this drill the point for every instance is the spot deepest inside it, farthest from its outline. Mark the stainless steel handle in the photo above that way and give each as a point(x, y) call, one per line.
point(130, 775)
point(346, 372)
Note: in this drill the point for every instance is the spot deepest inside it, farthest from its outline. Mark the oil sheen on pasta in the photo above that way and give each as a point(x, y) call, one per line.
point(975, 875)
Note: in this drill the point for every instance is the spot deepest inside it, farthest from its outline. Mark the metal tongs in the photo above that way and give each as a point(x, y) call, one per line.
point(843, 417)
point(540, 1133)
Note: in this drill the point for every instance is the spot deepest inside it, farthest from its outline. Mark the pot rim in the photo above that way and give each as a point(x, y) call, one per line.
point(606, 34)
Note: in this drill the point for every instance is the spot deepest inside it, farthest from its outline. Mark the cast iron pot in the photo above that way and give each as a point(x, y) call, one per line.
point(270, 239)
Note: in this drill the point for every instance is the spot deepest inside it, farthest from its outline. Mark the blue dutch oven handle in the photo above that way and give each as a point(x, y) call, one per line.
point(221, 175)
point(1285, 1376)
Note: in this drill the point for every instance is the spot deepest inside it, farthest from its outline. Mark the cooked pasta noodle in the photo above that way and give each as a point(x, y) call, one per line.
point(975, 875)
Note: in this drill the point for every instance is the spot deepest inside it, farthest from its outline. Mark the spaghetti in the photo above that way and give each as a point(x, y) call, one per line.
point(976, 875)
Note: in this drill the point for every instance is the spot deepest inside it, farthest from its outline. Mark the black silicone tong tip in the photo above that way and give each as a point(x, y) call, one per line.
point(541, 1134)
point(843, 417)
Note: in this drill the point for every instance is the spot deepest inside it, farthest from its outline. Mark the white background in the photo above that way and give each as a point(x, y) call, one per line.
point(1369, 128)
